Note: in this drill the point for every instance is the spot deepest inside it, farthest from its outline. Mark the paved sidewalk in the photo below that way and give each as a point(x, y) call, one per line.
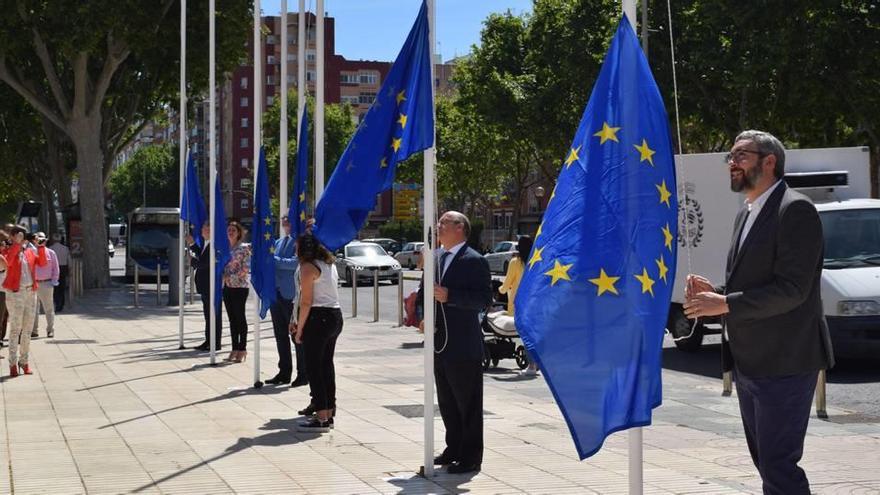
point(114, 407)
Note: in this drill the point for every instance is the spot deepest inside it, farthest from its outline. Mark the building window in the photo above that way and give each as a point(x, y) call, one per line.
point(245, 183)
point(244, 123)
point(270, 100)
point(368, 78)
point(311, 75)
point(244, 142)
point(270, 39)
point(244, 204)
point(245, 163)
point(350, 99)
point(310, 55)
point(310, 34)
point(291, 57)
point(244, 83)
point(291, 80)
point(270, 79)
point(348, 79)
point(366, 98)
point(270, 60)
point(244, 101)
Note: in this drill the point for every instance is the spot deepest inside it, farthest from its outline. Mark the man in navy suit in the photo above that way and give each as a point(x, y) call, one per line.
point(463, 288)
point(775, 338)
point(281, 309)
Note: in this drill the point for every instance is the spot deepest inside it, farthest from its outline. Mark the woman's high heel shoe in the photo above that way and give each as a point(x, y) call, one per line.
point(241, 357)
point(232, 356)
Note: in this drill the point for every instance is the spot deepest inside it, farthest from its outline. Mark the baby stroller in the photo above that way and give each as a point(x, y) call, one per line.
point(500, 338)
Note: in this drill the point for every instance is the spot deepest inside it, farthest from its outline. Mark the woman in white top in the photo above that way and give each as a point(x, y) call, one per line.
point(317, 326)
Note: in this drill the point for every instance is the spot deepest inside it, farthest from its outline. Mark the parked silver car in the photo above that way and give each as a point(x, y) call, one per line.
point(499, 257)
point(364, 258)
point(409, 255)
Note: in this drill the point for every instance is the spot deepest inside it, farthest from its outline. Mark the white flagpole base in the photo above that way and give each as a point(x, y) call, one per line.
point(635, 461)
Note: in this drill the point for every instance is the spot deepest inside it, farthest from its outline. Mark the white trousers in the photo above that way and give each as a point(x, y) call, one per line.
point(45, 294)
point(21, 306)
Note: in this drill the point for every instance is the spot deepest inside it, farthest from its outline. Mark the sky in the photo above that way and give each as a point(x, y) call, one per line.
point(376, 29)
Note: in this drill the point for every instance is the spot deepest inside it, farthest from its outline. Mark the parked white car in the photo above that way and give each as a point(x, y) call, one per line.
point(409, 255)
point(364, 258)
point(499, 257)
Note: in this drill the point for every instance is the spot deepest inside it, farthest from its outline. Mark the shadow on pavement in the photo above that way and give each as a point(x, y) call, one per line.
point(705, 362)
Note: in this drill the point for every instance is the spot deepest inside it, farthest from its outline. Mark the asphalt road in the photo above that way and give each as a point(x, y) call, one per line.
point(852, 385)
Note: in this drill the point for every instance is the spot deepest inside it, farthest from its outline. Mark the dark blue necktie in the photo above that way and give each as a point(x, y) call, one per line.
point(443, 264)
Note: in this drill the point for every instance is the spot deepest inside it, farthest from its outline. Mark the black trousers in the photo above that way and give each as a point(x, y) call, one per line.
point(321, 330)
point(460, 397)
point(60, 289)
point(281, 311)
point(775, 413)
point(234, 298)
point(206, 310)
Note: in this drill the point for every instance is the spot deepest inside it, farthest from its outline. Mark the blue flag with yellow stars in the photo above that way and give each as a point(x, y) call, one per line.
point(262, 243)
point(192, 206)
point(399, 123)
point(296, 214)
point(221, 242)
point(593, 301)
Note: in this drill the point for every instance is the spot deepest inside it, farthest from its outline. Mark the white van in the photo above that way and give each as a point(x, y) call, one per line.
point(838, 181)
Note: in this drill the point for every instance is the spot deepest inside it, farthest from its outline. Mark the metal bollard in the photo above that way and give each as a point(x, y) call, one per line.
point(400, 298)
point(137, 286)
point(821, 411)
point(158, 283)
point(727, 383)
point(376, 295)
point(354, 293)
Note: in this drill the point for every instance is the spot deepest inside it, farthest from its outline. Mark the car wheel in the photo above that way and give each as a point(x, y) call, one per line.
point(688, 337)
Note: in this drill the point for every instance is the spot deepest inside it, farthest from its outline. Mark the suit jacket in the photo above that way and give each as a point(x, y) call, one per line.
point(285, 267)
point(202, 262)
point(457, 322)
point(776, 325)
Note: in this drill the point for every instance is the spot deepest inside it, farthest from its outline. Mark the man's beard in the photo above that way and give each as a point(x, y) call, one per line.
point(748, 180)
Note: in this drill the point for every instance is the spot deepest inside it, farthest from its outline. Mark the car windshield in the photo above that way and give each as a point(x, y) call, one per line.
point(852, 238)
point(502, 247)
point(365, 250)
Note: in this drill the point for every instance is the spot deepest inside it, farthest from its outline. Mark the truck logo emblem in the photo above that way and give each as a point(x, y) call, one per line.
point(690, 219)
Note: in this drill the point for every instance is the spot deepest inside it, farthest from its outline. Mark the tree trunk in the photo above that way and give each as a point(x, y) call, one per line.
point(85, 133)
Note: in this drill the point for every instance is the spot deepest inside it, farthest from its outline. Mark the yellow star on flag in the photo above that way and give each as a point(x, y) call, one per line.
point(647, 283)
point(536, 256)
point(267, 236)
point(383, 163)
point(605, 283)
point(552, 195)
point(667, 236)
point(645, 153)
point(395, 143)
point(271, 249)
point(664, 193)
point(302, 197)
point(302, 216)
point(402, 121)
point(538, 233)
point(268, 221)
point(401, 96)
point(661, 264)
point(559, 272)
point(607, 132)
point(572, 157)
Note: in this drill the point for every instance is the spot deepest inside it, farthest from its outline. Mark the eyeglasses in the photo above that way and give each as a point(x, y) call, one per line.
point(446, 221)
point(739, 156)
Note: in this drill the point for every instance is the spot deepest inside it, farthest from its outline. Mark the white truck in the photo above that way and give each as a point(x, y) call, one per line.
point(838, 181)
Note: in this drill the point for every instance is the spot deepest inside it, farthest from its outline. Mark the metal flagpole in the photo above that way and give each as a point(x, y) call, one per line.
point(283, 148)
point(301, 88)
point(319, 103)
point(428, 226)
point(258, 124)
point(635, 434)
point(182, 151)
point(212, 159)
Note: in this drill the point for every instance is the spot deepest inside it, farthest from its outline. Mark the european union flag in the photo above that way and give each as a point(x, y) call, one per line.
point(592, 304)
point(192, 206)
point(221, 243)
point(297, 211)
point(399, 123)
point(262, 243)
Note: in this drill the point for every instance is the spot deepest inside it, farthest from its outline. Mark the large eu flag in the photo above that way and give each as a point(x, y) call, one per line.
point(399, 123)
point(592, 304)
point(296, 213)
point(192, 205)
point(221, 243)
point(262, 243)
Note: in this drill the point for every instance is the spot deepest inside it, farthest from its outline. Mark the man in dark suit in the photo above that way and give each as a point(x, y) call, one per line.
point(463, 288)
point(775, 337)
point(282, 308)
point(202, 259)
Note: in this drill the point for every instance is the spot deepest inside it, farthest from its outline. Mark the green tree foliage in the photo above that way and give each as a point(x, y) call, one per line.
point(95, 69)
point(151, 174)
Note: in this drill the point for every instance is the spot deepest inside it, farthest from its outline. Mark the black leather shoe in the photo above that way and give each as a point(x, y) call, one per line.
point(459, 468)
point(443, 460)
point(299, 382)
point(278, 380)
point(308, 411)
point(204, 346)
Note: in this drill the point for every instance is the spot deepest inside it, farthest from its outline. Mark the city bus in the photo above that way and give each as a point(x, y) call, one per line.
point(151, 233)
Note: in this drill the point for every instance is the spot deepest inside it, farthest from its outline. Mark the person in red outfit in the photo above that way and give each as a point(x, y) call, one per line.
point(21, 296)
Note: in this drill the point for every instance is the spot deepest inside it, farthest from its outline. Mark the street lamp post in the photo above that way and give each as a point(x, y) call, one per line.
point(539, 193)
